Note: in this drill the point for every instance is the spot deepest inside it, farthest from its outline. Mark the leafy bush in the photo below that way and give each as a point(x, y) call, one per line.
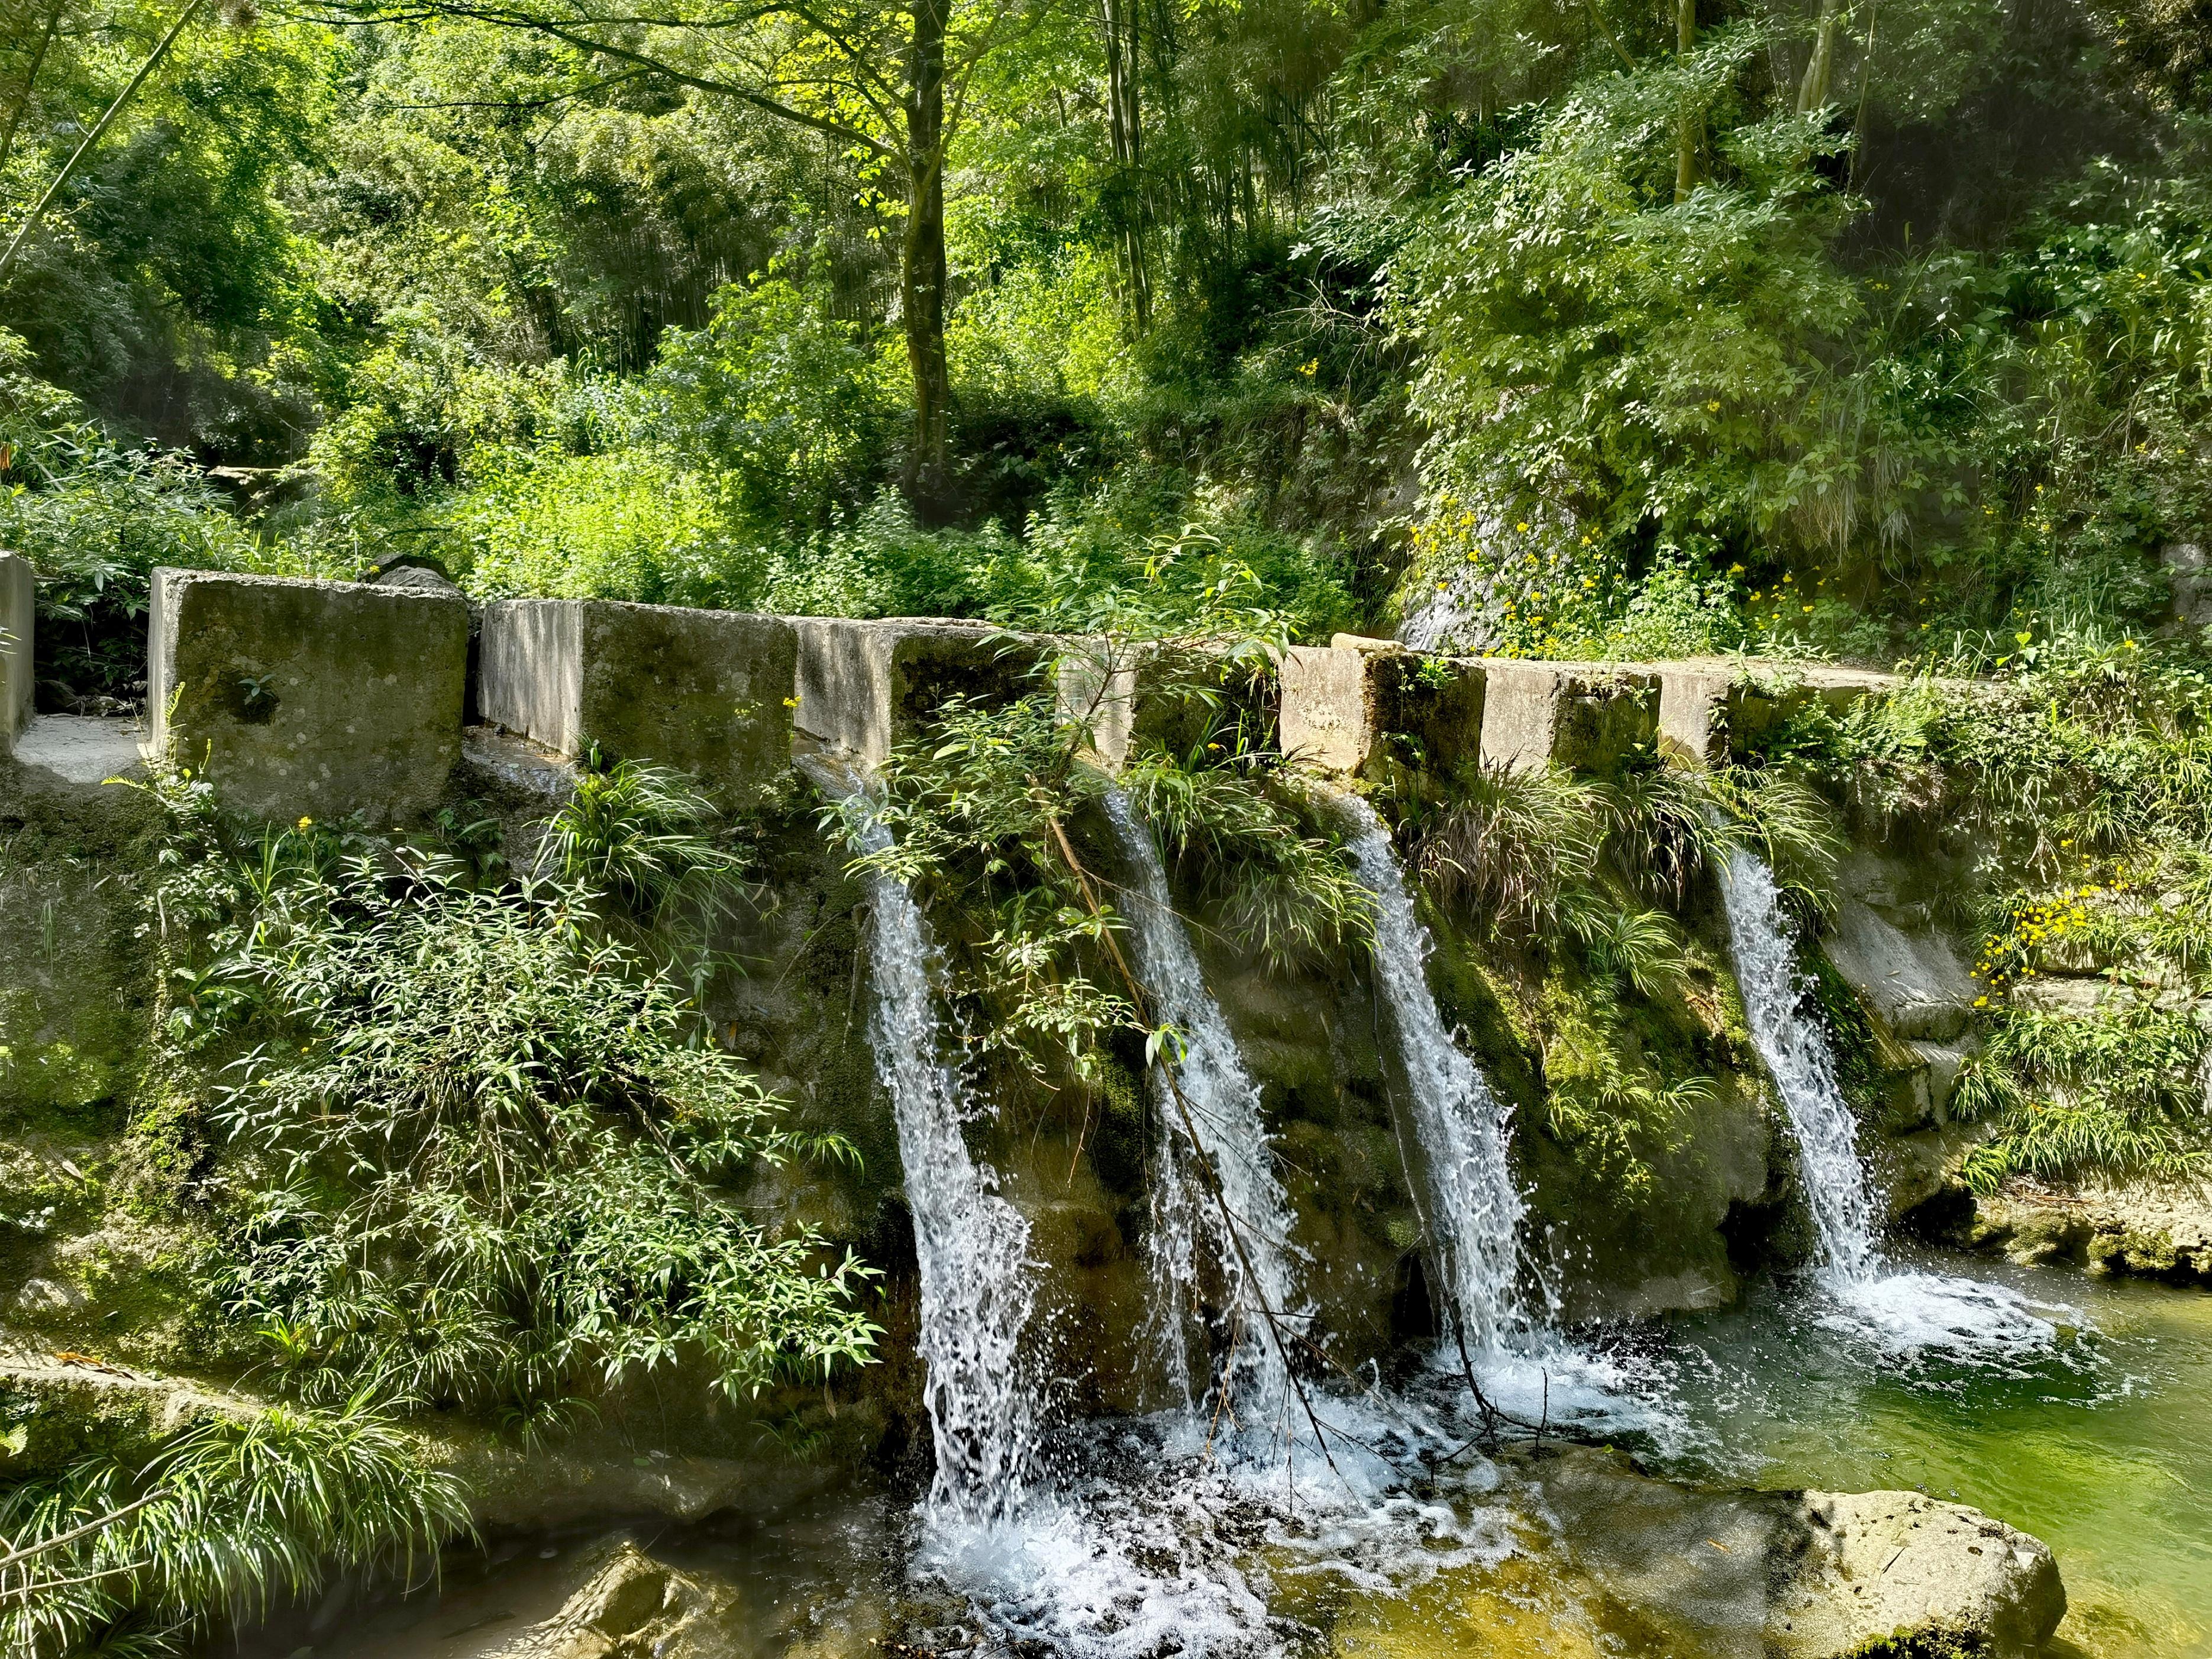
point(496, 1161)
point(2119, 1093)
point(94, 517)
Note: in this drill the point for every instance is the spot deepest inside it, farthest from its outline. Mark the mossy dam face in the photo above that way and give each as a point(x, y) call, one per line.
point(1395, 1162)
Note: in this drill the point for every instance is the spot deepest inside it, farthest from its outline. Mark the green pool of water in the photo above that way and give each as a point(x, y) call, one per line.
point(2102, 1447)
point(2104, 1452)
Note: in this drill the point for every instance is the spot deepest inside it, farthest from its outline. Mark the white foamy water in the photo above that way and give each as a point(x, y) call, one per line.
point(1222, 1105)
point(1475, 1209)
point(1179, 1536)
point(1900, 1308)
point(978, 1284)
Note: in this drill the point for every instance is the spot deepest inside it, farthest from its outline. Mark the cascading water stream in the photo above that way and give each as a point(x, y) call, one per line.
point(1901, 1308)
point(978, 1284)
point(1476, 1209)
point(1803, 1066)
point(1231, 1135)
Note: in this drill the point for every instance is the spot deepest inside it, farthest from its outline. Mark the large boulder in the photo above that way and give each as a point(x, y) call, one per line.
point(632, 1608)
point(1896, 1572)
point(1784, 1575)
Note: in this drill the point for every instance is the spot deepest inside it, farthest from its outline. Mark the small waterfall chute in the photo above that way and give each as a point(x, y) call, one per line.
point(1226, 1120)
point(1474, 1208)
point(978, 1284)
point(1902, 1309)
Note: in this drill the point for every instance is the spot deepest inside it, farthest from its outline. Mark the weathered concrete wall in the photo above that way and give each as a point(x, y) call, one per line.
point(1710, 714)
point(710, 691)
point(864, 687)
point(1587, 715)
point(530, 670)
point(18, 607)
point(1355, 705)
point(321, 698)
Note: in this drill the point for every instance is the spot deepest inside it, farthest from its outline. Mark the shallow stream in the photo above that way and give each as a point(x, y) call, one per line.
point(2101, 1446)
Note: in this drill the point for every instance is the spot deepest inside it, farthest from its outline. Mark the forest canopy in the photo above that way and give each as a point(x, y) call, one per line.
point(1877, 333)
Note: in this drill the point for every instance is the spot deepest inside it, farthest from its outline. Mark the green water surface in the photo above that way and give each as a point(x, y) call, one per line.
point(2103, 1450)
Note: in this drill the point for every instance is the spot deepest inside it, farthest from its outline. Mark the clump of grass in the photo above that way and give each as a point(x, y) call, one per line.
point(2118, 1092)
point(226, 1520)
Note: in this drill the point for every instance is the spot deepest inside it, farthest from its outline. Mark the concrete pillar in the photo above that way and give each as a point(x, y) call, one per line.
point(18, 618)
point(1590, 716)
point(321, 699)
point(1357, 706)
point(1327, 721)
point(1694, 725)
point(866, 686)
point(711, 692)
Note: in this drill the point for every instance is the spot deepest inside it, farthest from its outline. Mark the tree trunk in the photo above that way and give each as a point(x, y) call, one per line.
point(1117, 22)
point(1691, 129)
point(1813, 90)
point(30, 82)
point(921, 265)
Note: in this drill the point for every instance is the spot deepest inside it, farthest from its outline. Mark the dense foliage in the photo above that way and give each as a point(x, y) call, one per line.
point(1537, 330)
point(487, 1157)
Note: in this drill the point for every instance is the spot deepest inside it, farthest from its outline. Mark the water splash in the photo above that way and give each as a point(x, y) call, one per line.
point(1476, 1209)
point(978, 1284)
point(1231, 1135)
point(1903, 1310)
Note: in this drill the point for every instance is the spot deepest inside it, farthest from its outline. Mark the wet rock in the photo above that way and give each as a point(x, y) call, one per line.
point(1896, 1572)
point(632, 1608)
point(1914, 983)
point(2158, 1228)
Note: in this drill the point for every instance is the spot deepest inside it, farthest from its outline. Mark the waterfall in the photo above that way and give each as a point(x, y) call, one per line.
point(1231, 1136)
point(977, 1282)
point(1803, 1066)
point(1474, 1208)
point(1906, 1310)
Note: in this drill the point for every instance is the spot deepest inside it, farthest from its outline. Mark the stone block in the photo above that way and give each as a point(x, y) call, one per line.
point(322, 699)
point(711, 692)
point(866, 686)
point(1693, 726)
point(1352, 708)
point(18, 607)
point(1171, 697)
point(1710, 714)
point(1589, 716)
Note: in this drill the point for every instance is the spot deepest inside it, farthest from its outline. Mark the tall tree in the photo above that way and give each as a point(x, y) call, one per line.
point(890, 79)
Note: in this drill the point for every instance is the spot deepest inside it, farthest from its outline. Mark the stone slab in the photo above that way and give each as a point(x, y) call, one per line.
point(308, 698)
point(1356, 707)
point(1588, 716)
point(866, 686)
point(1913, 983)
point(709, 692)
point(83, 749)
point(18, 614)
